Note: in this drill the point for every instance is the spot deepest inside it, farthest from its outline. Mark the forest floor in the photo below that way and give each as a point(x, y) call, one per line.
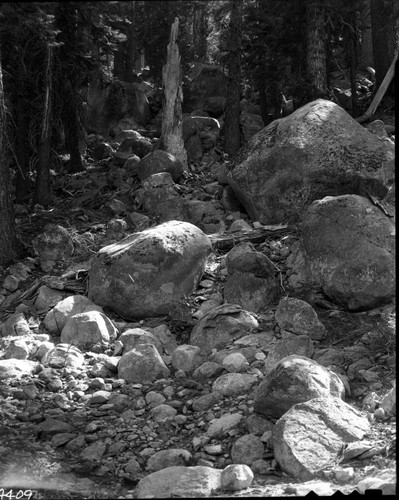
point(81, 207)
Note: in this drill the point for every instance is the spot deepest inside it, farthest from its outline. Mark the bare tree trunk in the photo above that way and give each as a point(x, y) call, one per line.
point(130, 45)
point(384, 14)
point(172, 119)
point(232, 134)
point(200, 30)
point(366, 48)
point(316, 47)
point(42, 188)
point(10, 247)
point(21, 151)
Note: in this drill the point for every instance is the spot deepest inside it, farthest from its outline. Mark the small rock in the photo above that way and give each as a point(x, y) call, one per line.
point(235, 362)
point(94, 452)
point(220, 427)
point(234, 384)
point(17, 349)
point(187, 358)
point(236, 477)
point(11, 283)
point(162, 413)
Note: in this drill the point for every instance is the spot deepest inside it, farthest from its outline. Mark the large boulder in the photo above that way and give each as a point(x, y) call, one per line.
point(310, 436)
point(147, 273)
point(317, 151)
point(292, 380)
point(349, 245)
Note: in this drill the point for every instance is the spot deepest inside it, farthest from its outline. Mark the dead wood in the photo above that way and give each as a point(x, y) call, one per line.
point(226, 241)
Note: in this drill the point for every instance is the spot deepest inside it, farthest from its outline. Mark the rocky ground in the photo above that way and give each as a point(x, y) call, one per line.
point(82, 432)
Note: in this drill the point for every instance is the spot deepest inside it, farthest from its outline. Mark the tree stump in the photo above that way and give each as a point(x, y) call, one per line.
point(172, 119)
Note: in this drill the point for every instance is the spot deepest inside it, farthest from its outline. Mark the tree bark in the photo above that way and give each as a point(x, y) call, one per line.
point(172, 119)
point(21, 150)
point(130, 45)
point(232, 133)
point(366, 57)
point(10, 247)
point(42, 189)
point(384, 22)
point(200, 30)
point(316, 47)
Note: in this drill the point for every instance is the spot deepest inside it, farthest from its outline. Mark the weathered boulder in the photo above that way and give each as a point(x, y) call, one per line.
point(134, 146)
point(187, 358)
point(87, 329)
point(142, 365)
point(309, 437)
point(134, 336)
point(168, 458)
point(159, 189)
point(297, 316)
point(57, 317)
point(236, 477)
point(207, 215)
point(234, 384)
point(251, 124)
point(17, 349)
point(63, 355)
point(54, 244)
point(349, 244)
point(148, 272)
point(17, 368)
point(251, 279)
point(48, 297)
point(295, 379)
point(221, 326)
point(179, 481)
point(15, 324)
point(317, 151)
point(159, 161)
point(221, 426)
point(246, 449)
point(301, 345)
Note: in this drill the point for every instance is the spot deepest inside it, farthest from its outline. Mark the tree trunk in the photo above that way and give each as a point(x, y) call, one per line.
point(119, 61)
point(366, 57)
point(66, 21)
point(10, 247)
point(232, 134)
point(43, 189)
point(130, 45)
point(316, 47)
point(172, 119)
point(200, 30)
point(21, 150)
point(384, 24)
point(71, 126)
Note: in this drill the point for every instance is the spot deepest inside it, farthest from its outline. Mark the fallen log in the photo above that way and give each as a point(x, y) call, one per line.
point(226, 241)
point(380, 93)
